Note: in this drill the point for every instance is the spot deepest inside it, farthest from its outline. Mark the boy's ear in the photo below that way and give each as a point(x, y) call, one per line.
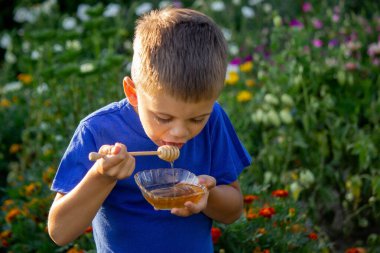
point(130, 90)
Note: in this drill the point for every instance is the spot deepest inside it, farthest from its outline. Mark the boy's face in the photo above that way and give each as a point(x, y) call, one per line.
point(168, 121)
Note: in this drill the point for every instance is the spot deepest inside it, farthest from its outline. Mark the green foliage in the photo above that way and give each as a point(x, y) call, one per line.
point(303, 98)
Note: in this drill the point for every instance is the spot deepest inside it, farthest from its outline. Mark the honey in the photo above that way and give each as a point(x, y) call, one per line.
point(170, 196)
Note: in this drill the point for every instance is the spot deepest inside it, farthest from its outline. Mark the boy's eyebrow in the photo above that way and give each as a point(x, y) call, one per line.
point(198, 116)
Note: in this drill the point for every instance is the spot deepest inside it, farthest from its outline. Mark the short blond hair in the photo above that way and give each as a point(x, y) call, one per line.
point(181, 52)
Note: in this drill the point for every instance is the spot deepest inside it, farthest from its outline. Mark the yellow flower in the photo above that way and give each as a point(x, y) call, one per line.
point(244, 96)
point(14, 148)
point(25, 78)
point(250, 82)
point(5, 102)
point(246, 66)
point(232, 78)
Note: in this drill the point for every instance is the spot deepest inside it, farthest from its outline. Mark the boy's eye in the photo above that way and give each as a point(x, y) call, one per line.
point(162, 120)
point(198, 121)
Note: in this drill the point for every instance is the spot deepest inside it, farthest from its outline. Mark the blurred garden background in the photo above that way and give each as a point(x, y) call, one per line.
point(302, 90)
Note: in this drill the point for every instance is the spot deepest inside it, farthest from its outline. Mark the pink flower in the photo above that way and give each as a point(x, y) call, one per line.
point(317, 23)
point(296, 23)
point(317, 43)
point(307, 7)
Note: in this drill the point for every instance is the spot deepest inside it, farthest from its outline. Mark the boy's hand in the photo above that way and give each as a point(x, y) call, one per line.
point(192, 208)
point(117, 162)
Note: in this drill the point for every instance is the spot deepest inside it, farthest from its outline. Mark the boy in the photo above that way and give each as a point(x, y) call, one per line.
point(178, 71)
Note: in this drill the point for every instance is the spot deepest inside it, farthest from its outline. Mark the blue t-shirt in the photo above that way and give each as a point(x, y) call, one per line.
point(126, 222)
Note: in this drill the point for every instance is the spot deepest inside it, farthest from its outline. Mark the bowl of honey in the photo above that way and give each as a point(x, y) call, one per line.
point(169, 188)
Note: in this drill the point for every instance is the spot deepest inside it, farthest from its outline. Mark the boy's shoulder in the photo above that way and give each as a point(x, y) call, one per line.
point(106, 111)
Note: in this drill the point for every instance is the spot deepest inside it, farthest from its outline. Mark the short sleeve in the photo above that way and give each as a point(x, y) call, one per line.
point(229, 155)
point(75, 163)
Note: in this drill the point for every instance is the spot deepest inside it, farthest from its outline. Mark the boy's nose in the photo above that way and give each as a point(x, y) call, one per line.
point(180, 132)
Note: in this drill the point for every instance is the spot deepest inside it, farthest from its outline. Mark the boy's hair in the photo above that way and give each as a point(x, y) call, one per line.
point(181, 52)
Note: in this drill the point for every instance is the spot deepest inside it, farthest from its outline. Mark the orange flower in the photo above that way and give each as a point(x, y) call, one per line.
point(25, 78)
point(5, 102)
point(248, 199)
point(14, 148)
point(251, 216)
point(267, 212)
point(266, 251)
point(88, 230)
point(280, 193)
point(6, 204)
point(313, 236)
point(75, 250)
point(5, 234)
point(292, 212)
point(261, 231)
point(216, 233)
point(31, 188)
point(48, 175)
point(356, 250)
point(12, 214)
point(250, 82)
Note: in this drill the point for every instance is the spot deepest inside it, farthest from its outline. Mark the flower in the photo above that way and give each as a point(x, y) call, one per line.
point(250, 82)
point(317, 43)
point(313, 236)
point(215, 234)
point(244, 96)
point(292, 212)
point(317, 23)
point(25, 78)
point(12, 214)
point(88, 230)
point(218, 6)
point(69, 23)
point(246, 66)
point(296, 24)
point(143, 8)
point(232, 78)
point(14, 148)
point(307, 7)
point(267, 212)
point(280, 193)
point(5, 102)
point(355, 250)
point(247, 12)
point(112, 10)
point(248, 199)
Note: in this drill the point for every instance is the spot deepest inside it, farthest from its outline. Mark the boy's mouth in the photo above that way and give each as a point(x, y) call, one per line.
point(176, 144)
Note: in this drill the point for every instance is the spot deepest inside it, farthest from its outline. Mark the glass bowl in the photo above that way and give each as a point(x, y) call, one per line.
point(168, 188)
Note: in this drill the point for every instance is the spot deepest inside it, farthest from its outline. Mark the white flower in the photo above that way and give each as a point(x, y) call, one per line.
point(35, 55)
point(307, 178)
point(271, 99)
point(82, 12)
point(287, 100)
point(274, 118)
point(164, 4)
point(12, 86)
point(111, 10)
point(58, 138)
point(247, 12)
point(236, 2)
point(5, 41)
point(25, 46)
point(23, 14)
point(267, 8)
point(254, 2)
point(285, 116)
point(44, 126)
point(143, 8)
point(69, 23)
point(42, 88)
point(86, 67)
point(57, 48)
point(233, 48)
point(218, 6)
point(48, 5)
point(73, 44)
point(10, 57)
point(227, 33)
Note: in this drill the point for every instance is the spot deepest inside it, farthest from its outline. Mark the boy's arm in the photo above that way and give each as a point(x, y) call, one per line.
point(71, 214)
point(223, 203)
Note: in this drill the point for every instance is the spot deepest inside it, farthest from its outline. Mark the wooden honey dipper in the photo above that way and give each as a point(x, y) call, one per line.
point(166, 152)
